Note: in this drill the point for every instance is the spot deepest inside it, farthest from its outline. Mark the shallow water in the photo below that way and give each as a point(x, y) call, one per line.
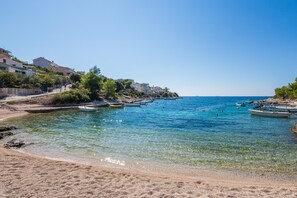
point(190, 132)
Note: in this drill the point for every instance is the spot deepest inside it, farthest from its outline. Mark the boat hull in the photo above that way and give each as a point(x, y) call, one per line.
point(87, 109)
point(270, 113)
point(116, 106)
point(132, 105)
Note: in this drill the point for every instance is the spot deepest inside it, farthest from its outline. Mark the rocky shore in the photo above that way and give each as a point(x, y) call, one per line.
point(281, 102)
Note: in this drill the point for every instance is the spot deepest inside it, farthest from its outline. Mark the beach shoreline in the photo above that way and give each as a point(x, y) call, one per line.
point(26, 175)
point(7, 114)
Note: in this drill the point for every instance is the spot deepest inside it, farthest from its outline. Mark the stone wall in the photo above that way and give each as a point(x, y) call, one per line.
point(4, 92)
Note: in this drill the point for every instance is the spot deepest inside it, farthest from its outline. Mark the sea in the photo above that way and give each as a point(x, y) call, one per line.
point(189, 133)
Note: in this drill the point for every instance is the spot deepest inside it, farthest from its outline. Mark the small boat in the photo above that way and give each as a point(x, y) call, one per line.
point(143, 103)
point(132, 104)
point(87, 109)
point(169, 98)
point(116, 106)
point(286, 108)
point(249, 101)
point(276, 114)
point(240, 104)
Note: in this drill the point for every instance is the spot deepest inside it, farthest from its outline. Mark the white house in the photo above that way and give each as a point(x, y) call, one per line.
point(9, 65)
point(12, 69)
point(141, 87)
point(30, 72)
point(156, 89)
point(7, 59)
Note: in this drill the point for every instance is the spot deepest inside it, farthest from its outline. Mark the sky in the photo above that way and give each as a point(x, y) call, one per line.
point(196, 48)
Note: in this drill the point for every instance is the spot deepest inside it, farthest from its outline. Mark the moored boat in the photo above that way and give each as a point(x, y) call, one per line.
point(240, 104)
point(87, 109)
point(276, 114)
point(249, 101)
point(132, 104)
point(286, 108)
point(116, 106)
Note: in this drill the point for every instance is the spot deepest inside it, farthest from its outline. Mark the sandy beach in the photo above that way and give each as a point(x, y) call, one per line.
point(24, 175)
point(28, 176)
point(7, 114)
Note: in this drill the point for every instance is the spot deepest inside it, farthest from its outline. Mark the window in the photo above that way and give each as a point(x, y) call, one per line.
point(4, 60)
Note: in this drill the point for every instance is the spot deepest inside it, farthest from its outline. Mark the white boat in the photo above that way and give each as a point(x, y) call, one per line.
point(116, 106)
point(286, 108)
point(132, 104)
point(276, 114)
point(240, 104)
point(87, 109)
point(249, 101)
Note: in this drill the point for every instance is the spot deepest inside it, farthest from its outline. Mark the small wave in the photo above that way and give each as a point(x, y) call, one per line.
point(113, 161)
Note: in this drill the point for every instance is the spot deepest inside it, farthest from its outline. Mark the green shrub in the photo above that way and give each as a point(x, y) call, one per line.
point(72, 96)
point(26, 86)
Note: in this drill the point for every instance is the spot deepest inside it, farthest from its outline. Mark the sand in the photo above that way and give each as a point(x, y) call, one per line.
point(24, 175)
point(7, 114)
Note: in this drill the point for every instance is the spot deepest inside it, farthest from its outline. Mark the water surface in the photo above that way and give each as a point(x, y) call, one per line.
point(204, 132)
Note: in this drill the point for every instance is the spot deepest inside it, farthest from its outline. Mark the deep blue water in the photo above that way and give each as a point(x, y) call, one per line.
point(193, 131)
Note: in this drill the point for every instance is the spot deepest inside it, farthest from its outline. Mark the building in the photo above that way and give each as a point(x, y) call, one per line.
point(141, 87)
point(30, 72)
point(9, 68)
point(157, 90)
point(62, 70)
point(9, 65)
point(6, 58)
point(43, 62)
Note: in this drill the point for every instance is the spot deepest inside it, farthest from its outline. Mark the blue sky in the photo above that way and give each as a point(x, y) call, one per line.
point(199, 47)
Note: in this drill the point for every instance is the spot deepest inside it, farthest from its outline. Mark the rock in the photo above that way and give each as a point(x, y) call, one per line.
point(7, 128)
point(7, 107)
point(4, 134)
point(14, 143)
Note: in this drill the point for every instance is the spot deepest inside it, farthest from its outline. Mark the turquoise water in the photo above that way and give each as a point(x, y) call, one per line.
point(193, 131)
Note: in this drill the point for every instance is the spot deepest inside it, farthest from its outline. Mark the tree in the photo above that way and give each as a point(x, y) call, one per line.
point(8, 80)
point(48, 81)
point(95, 70)
point(166, 89)
point(119, 86)
point(109, 88)
point(93, 82)
point(283, 92)
point(58, 80)
point(75, 77)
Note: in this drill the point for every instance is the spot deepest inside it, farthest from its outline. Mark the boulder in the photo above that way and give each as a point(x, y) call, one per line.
point(7, 128)
point(14, 143)
point(4, 134)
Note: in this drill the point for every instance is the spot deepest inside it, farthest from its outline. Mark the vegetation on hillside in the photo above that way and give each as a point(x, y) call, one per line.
point(85, 87)
point(287, 92)
point(44, 79)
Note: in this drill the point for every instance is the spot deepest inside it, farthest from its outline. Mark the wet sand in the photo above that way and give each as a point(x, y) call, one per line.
point(7, 114)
